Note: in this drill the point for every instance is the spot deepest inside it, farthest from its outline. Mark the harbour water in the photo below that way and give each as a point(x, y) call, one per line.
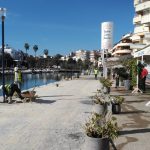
point(32, 80)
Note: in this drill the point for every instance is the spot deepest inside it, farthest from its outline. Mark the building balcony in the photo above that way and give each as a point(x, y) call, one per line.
point(142, 6)
point(145, 19)
point(137, 19)
point(136, 2)
point(123, 44)
point(137, 46)
point(121, 52)
point(120, 45)
point(139, 29)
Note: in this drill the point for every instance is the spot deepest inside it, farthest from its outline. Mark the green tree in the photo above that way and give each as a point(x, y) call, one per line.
point(131, 64)
point(31, 62)
point(26, 46)
point(8, 60)
point(45, 60)
point(80, 64)
point(71, 63)
point(35, 48)
point(86, 64)
point(56, 59)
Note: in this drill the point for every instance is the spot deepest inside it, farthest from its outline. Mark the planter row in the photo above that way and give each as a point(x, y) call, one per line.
point(103, 109)
point(92, 143)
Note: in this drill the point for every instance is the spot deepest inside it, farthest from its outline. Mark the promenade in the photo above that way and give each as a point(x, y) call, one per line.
point(134, 120)
point(55, 120)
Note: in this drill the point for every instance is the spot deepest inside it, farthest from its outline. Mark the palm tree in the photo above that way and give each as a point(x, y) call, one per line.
point(35, 48)
point(45, 57)
point(45, 52)
point(26, 46)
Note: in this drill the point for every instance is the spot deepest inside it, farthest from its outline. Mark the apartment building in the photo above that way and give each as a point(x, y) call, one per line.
point(123, 47)
point(130, 43)
point(94, 55)
point(141, 22)
point(82, 54)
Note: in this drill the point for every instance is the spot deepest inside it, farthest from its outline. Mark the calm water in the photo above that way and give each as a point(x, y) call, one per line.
point(33, 80)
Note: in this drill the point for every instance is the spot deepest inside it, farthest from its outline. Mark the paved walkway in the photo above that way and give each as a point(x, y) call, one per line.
point(55, 120)
point(134, 121)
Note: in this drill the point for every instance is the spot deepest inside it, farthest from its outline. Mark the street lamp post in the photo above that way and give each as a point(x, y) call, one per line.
point(3, 14)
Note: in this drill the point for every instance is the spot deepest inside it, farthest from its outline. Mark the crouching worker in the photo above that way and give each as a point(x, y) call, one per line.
point(10, 89)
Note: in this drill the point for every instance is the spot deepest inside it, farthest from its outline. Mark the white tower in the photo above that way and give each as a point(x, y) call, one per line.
point(106, 42)
point(106, 35)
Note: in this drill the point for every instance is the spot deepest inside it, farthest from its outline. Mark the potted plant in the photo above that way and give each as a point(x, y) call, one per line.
point(100, 104)
point(107, 84)
point(99, 131)
point(116, 103)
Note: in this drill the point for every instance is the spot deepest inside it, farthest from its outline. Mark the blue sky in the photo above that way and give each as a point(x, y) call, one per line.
point(62, 26)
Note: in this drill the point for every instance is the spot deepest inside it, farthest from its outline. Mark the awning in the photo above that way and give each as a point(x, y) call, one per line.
point(118, 66)
point(143, 52)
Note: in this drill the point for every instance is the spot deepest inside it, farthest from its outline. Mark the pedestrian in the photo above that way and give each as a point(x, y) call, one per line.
point(113, 75)
point(95, 73)
point(139, 70)
point(117, 80)
point(9, 90)
point(143, 75)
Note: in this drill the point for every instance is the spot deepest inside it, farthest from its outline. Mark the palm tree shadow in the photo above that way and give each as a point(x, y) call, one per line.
point(136, 101)
point(87, 102)
point(133, 112)
point(44, 101)
point(134, 131)
point(56, 95)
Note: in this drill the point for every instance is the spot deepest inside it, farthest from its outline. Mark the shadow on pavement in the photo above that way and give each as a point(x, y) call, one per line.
point(134, 131)
point(44, 101)
point(136, 101)
point(133, 112)
point(87, 102)
point(56, 96)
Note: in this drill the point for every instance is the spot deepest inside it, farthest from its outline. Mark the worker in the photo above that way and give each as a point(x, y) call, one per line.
point(9, 90)
point(18, 76)
point(95, 73)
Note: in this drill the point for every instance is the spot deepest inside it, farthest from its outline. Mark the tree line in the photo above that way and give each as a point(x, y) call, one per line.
point(30, 61)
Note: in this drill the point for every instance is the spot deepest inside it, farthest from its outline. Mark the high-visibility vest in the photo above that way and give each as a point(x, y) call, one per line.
point(8, 88)
point(95, 71)
point(19, 75)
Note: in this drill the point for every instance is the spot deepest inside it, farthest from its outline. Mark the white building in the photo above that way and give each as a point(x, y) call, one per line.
point(142, 29)
point(131, 43)
point(141, 22)
point(123, 46)
point(95, 57)
point(15, 54)
point(81, 54)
